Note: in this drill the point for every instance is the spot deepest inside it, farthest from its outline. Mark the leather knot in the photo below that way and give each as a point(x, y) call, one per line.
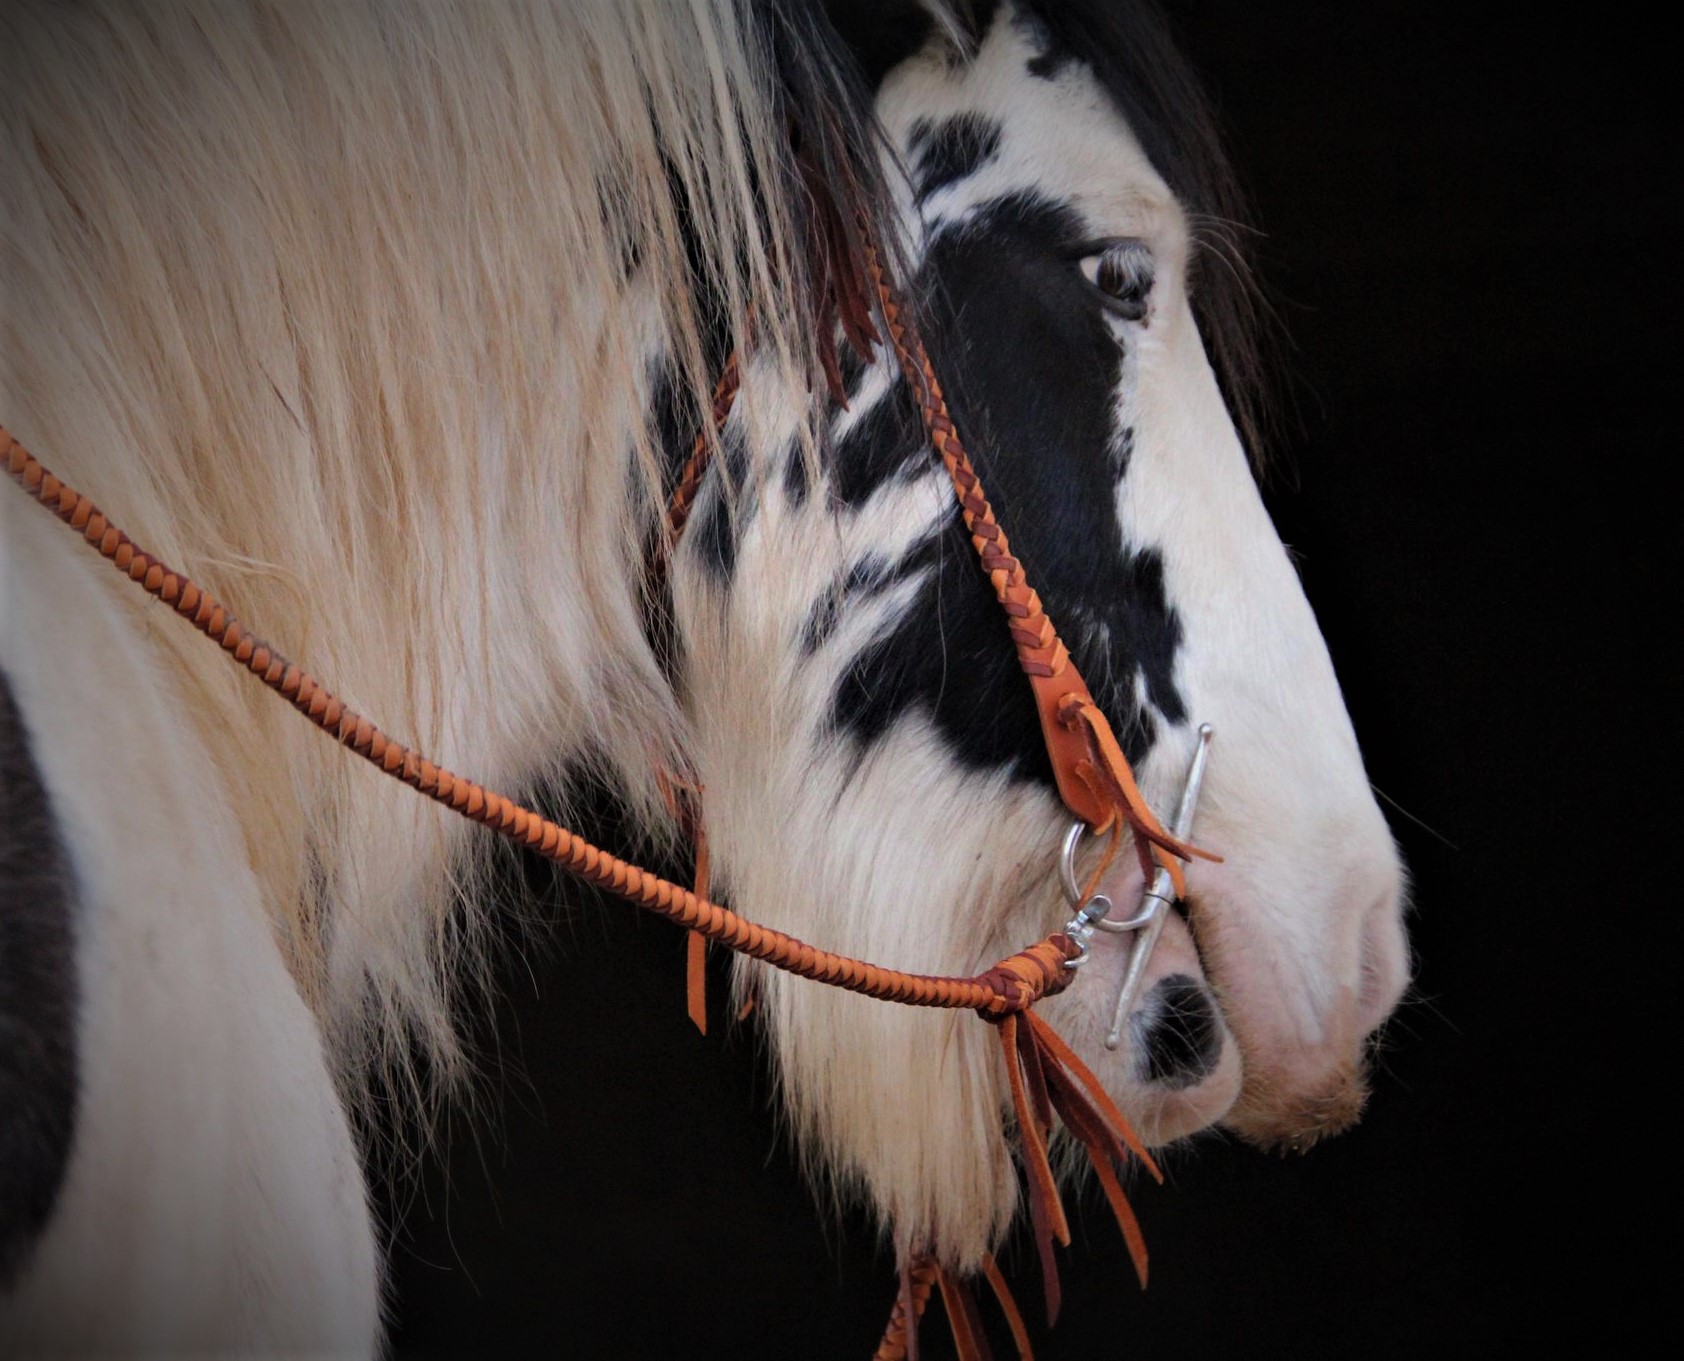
point(1023, 979)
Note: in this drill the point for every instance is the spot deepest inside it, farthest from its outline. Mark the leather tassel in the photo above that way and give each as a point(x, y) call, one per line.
point(1045, 1077)
point(1102, 1153)
point(968, 1338)
point(1008, 1306)
point(900, 1338)
point(684, 801)
point(1083, 1086)
point(696, 980)
point(695, 971)
point(1121, 1210)
point(1046, 1211)
point(1090, 1114)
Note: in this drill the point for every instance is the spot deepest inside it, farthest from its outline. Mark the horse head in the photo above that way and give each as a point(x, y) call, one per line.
point(874, 770)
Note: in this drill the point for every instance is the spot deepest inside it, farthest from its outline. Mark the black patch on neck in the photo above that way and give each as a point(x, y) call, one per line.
point(723, 511)
point(1031, 371)
point(868, 577)
point(38, 997)
point(952, 150)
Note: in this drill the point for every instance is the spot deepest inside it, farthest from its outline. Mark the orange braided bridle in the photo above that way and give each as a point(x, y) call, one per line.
point(1093, 778)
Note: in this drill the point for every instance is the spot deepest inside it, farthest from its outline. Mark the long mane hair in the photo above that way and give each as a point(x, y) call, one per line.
point(354, 311)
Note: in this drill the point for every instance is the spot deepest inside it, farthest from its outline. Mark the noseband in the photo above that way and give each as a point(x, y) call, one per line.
point(1092, 775)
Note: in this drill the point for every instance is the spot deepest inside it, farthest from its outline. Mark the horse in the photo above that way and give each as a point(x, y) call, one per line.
point(393, 325)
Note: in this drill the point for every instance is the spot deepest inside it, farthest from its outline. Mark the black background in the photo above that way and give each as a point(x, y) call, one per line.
point(1466, 220)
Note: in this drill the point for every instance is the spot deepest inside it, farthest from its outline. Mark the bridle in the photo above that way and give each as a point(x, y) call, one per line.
point(1092, 775)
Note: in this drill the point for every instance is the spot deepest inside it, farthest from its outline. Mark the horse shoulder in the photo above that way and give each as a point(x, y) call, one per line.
point(211, 1192)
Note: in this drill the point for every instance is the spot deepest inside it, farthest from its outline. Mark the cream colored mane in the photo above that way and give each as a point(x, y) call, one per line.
point(363, 319)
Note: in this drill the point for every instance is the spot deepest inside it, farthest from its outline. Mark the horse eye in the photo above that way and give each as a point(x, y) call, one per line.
point(1122, 273)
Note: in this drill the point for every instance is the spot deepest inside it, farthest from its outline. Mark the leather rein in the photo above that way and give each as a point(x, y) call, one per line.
point(1092, 774)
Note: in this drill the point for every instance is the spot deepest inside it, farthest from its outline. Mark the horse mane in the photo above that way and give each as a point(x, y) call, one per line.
point(353, 311)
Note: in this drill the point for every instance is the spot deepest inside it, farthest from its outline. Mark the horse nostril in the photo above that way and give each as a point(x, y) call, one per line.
point(1177, 1033)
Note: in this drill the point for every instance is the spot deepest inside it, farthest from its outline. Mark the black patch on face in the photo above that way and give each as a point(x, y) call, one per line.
point(38, 1068)
point(1031, 371)
point(952, 150)
point(1133, 55)
point(1177, 1034)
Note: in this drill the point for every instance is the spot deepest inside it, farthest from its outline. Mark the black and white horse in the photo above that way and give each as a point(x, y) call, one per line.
point(389, 322)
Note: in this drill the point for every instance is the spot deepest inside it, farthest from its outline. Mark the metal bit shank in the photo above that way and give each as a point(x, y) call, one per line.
point(1158, 898)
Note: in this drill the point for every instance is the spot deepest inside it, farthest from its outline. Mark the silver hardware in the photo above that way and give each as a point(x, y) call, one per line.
point(1067, 863)
point(1080, 927)
point(1159, 895)
point(1155, 900)
point(1089, 914)
point(1073, 894)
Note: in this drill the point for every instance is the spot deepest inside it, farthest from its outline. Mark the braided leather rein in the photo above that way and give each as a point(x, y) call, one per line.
point(1011, 985)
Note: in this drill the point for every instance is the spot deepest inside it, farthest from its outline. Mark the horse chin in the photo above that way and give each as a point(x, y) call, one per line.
point(1296, 1121)
point(1291, 1107)
point(1304, 1019)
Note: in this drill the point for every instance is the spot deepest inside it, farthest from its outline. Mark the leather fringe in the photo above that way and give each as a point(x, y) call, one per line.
point(917, 1275)
point(1046, 1078)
